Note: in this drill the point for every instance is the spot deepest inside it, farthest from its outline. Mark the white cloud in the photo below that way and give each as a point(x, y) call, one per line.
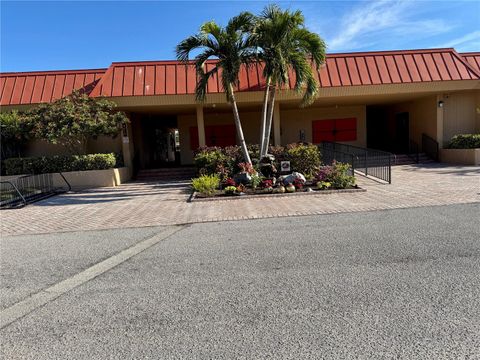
point(376, 21)
point(467, 42)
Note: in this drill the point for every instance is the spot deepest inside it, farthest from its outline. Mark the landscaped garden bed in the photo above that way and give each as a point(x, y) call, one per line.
point(223, 176)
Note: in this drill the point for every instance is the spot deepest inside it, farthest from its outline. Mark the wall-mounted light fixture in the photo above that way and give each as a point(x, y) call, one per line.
point(440, 104)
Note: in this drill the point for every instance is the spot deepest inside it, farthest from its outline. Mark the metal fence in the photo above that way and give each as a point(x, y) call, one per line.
point(19, 191)
point(369, 162)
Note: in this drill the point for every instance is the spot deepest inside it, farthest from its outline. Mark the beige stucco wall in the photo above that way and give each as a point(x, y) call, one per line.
point(460, 156)
point(422, 117)
point(295, 120)
point(461, 114)
point(93, 178)
point(250, 124)
point(292, 121)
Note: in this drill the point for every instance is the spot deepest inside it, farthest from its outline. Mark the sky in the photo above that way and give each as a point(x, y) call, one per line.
point(41, 35)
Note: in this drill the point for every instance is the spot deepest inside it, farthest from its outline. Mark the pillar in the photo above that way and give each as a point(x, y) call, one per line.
point(200, 126)
point(440, 114)
point(127, 145)
point(277, 135)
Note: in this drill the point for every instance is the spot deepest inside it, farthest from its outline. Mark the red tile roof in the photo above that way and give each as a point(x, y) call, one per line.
point(45, 86)
point(472, 58)
point(174, 78)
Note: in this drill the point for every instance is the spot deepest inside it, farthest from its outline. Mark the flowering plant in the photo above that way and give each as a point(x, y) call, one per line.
point(246, 168)
point(298, 183)
point(229, 182)
point(267, 183)
point(240, 188)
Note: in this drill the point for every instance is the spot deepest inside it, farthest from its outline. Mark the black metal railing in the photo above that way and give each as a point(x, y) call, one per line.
point(369, 162)
point(413, 151)
point(430, 147)
point(25, 189)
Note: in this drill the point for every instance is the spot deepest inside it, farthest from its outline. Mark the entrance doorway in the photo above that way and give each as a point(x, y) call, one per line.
point(402, 134)
point(160, 142)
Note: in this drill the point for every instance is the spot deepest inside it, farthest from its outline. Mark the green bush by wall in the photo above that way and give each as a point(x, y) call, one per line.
point(60, 163)
point(465, 141)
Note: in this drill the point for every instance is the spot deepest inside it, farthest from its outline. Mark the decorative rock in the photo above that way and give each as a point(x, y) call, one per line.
point(290, 188)
point(309, 189)
point(289, 179)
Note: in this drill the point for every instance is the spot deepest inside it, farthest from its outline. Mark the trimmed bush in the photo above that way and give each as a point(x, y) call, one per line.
point(465, 141)
point(304, 158)
point(206, 184)
point(336, 175)
point(61, 163)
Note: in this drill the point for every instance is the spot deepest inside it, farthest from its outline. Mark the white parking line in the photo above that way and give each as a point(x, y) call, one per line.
point(33, 302)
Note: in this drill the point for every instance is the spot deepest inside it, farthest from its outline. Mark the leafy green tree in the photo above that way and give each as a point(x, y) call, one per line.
point(231, 47)
point(14, 133)
point(283, 43)
point(72, 120)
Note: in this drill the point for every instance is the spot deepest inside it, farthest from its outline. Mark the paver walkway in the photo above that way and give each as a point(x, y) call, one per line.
point(149, 204)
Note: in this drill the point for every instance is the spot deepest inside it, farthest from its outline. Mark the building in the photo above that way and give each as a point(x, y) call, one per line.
point(383, 100)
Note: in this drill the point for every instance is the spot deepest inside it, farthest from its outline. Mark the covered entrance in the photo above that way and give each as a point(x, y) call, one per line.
point(388, 130)
point(156, 141)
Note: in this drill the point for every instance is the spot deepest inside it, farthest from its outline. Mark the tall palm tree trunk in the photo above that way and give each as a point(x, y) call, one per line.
point(264, 118)
point(268, 128)
point(238, 124)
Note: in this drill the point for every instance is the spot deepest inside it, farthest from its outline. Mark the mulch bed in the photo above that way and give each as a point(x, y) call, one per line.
point(250, 194)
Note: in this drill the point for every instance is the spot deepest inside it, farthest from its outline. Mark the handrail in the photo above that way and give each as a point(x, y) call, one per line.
point(16, 189)
point(413, 151)
point(430, 146)
point(66, 182)
point(28, 188)
point(373, 162)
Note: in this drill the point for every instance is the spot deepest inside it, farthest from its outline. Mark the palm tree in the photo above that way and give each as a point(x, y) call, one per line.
point(283, 43)
point(230, 46)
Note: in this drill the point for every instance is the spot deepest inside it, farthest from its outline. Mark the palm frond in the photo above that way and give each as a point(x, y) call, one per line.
point(243, 22)
point(202, 82)
point(184, 48)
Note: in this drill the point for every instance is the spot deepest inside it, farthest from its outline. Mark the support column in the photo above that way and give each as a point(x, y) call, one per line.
point(277, 135)
point(440, 113)
point(200, 126)
point(127, 145)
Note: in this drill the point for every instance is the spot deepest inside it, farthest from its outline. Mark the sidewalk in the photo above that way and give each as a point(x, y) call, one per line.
point(149, 204)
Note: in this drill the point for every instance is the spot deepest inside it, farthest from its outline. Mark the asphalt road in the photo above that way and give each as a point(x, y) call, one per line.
point(401, 284)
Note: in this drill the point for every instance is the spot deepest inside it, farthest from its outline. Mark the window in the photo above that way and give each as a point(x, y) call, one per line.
point(334, 130)
point(215, 135)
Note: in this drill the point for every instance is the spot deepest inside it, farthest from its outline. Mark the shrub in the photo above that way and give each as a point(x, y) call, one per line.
point(206, 184)
point(229, 182)
point(61, 163)
point(209, 160)
point(246, 168)
point(255, 180)
point(465, 141)
point(335, 174)
point(304, 158)
point(230, 190)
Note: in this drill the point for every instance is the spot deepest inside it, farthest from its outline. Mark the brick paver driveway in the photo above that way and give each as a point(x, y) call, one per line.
point(148, 204)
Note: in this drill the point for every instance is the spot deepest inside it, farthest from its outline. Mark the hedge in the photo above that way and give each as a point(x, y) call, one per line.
point(465, 141)
point(60, 163)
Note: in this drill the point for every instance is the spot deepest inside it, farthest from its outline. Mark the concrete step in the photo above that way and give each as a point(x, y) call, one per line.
point(166, 174)
point(404, 159)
